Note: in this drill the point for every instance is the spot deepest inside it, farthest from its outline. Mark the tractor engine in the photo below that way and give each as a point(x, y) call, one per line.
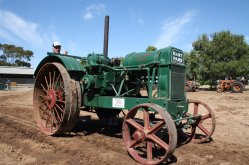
point(162, 70)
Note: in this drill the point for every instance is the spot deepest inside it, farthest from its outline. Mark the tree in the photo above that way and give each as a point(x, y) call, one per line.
point(14, 56)
point(191, 62)
point(221, 55)
point(151, 48)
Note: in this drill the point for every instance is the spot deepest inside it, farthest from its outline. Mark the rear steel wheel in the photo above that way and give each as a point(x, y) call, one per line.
point(237, 87)
point(149, 138)
point(79, 96)
point(204, 128)
point(55, 100)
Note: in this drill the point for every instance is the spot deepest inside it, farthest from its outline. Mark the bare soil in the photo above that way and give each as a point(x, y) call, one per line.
point(92, 143)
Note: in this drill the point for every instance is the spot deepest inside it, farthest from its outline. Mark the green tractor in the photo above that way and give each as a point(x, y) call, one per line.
point(148, 86)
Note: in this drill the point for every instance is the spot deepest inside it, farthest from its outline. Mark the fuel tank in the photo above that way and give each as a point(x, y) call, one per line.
point(135, 59)
point(166, 55)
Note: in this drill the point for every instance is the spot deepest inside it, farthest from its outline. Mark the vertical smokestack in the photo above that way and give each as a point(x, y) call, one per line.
point(106, 36)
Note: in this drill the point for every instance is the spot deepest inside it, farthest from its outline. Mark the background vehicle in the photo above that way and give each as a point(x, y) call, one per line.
point(4, 84)
point(192, 86)
point(235, 86)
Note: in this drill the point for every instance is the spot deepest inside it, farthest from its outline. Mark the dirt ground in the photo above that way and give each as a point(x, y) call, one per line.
point(90, 143)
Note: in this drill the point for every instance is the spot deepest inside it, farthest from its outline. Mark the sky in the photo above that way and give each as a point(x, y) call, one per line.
point(134, 24)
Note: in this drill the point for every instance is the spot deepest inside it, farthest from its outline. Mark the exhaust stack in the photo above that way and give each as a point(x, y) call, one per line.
point(106, 36)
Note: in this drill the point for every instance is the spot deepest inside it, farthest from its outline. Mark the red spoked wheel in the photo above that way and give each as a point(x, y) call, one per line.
point(149, 133)
point(204, 128)
point(55, 99)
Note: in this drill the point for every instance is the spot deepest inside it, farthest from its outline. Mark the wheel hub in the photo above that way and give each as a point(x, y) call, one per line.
point(51, 98)
point(138, 136)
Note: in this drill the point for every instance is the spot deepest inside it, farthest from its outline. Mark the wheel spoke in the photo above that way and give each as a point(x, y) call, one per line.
point(52, 119)
point(156, 127)
point(61, 85)
point(195, 109)
point(193, 129)
point(43, 97)
point(132, 143)
point(61, 101)
point(43, 88)
point(158, 141)
point(146, 119)
point(53, 79)
point(62, 110)
point(204, 117)
point(47, 82)
point(44, 112)
point(50, 80)
point(56, 81)
point(48, 118)
point(58, 115)
point(203, 129)
point(149, 151)
point(134, 124)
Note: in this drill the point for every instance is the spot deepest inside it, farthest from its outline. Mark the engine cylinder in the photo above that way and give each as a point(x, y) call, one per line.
point(94, 59)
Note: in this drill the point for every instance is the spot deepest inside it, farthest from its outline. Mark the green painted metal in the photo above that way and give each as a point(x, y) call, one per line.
point(94, 59)
point(176, 109)
point(171, 70)
point(169, 55)
point(177, 82)
point(88, 82)
point(136, 59)
point(71, 63)
point(108, 86)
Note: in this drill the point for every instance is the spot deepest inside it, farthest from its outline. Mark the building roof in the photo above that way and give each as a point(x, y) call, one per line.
point(16, 70)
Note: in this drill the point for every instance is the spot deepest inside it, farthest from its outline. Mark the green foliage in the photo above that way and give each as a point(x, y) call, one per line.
point(12, 55)
point(217, 56)
point(151, 48)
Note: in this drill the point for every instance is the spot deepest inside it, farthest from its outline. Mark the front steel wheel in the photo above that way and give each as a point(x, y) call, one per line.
point(202, 130)
point(149, 133)
point(55, 100)
point(219, 89)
